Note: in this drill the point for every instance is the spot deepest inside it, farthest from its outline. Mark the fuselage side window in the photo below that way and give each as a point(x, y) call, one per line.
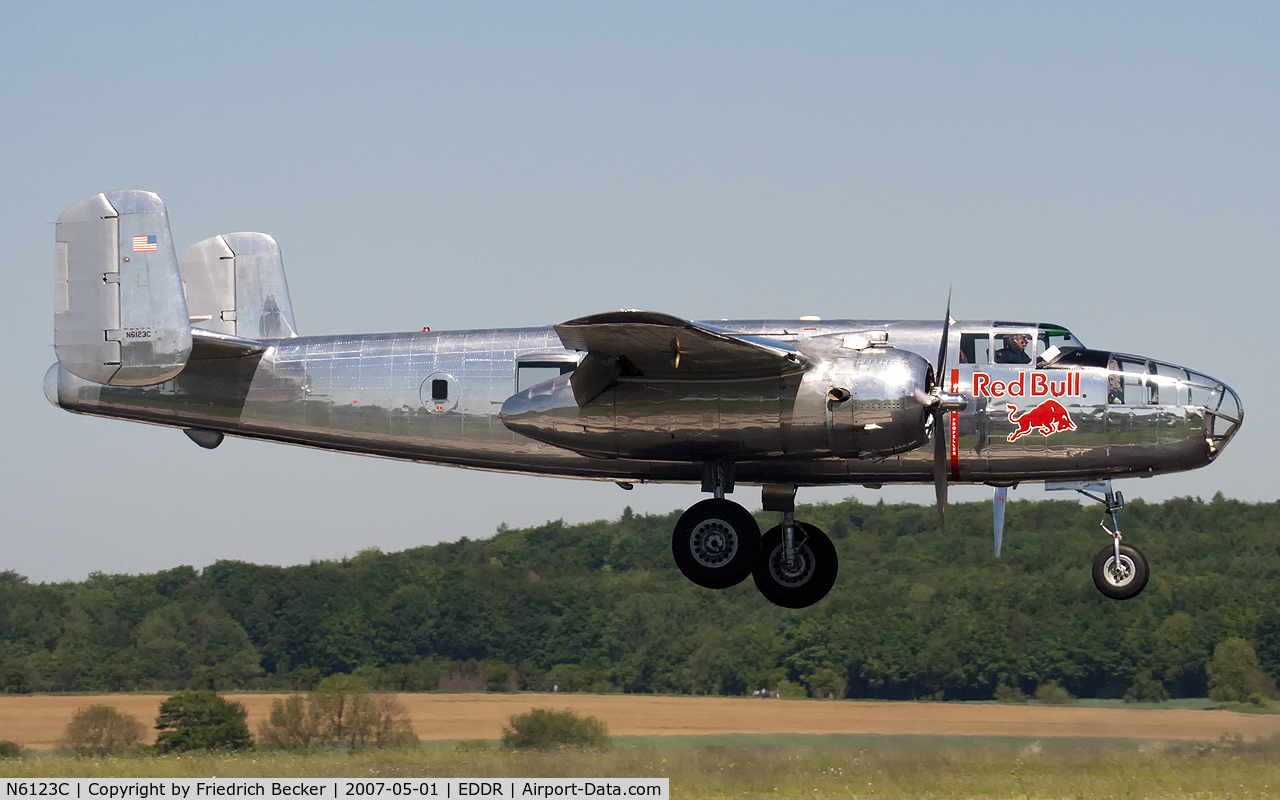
point(975, 348)
point(532, 373)
point(1125, 385)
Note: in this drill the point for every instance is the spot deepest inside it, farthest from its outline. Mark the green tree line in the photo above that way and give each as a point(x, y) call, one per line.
point(600, 607)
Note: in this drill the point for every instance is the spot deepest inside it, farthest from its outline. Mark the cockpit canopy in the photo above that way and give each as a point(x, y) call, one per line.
point(1012, 343)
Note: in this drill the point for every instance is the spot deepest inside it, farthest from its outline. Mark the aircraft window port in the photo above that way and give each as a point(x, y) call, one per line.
point(439, 389)
point(975, 348)
point(1173, 383)
point(1051, 336)
point(1125, 385)
point(532, 373)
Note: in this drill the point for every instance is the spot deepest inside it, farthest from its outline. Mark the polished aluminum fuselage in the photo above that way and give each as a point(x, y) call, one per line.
point(373, 394)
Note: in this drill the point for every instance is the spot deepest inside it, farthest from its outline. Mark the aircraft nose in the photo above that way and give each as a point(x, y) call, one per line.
point(1224, 413)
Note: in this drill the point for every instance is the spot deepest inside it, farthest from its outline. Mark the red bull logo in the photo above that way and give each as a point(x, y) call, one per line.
point(1028, 384)
point(1048, 418)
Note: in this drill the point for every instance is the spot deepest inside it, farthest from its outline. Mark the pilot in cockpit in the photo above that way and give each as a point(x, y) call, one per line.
point(1014, 350)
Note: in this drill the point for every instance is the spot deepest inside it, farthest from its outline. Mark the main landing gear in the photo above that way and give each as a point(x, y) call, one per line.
point(717, 544)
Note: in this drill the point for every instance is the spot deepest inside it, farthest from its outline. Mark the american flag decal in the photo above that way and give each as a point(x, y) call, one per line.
point(144, 244)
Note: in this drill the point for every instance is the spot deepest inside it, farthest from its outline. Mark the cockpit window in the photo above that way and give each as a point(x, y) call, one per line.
point(1053, 341)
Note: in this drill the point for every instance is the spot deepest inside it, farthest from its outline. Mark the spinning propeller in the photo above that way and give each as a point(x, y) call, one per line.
point(939, 403)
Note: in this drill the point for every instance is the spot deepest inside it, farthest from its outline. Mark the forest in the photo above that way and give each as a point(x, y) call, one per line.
point(600, 607)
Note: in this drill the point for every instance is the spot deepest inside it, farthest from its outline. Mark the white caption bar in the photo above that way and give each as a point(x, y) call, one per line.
point(332, 788)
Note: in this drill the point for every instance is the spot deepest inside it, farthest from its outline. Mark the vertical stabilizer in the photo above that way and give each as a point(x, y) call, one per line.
point(119, 314)
point(235, 284)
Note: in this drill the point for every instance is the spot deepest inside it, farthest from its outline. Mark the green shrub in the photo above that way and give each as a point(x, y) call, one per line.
point(201, 720)
point(101, 729)
point(790, 691)
point(10, 749)
point(825, 682)
point(1051, 694)
point(1007, 693)
point(544, 729)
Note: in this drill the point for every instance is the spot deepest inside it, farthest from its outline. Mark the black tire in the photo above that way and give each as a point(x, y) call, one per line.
point(1132, 578)
point(715, 543)
point(809, 580)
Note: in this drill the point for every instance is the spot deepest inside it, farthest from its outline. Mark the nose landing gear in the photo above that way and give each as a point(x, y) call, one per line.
point(1119, 570)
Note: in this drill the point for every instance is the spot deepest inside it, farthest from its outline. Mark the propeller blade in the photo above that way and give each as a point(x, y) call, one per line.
point(939, 422)
point(940, 468)
point(941, 364)
point(1002, 494)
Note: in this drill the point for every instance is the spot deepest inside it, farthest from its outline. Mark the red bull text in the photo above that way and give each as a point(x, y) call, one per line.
point(1028, 384)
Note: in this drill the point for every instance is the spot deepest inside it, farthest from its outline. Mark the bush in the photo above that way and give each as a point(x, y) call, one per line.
point(10, 749)
point(101, 729)
point(544, 729)
point(201, 720)
point(790, 691)
point(1007, 693)
point(290, 724)
point(340, 711)
point(1145, 689)
point(1051, 694)
point(826, 682)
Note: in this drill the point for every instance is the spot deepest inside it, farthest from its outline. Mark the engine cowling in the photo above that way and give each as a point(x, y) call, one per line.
point(872, 402)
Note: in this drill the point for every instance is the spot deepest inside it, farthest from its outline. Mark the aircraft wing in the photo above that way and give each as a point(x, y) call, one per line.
point(646, 344)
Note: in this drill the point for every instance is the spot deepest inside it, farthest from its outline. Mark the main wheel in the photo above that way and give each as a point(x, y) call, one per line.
point(1124, 579)
point(715, 543)
point(807, 579)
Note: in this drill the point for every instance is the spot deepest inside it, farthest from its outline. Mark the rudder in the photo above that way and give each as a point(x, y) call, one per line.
point(119, 313)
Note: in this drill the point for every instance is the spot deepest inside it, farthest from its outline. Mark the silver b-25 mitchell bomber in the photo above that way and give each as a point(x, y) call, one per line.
point(205, 341)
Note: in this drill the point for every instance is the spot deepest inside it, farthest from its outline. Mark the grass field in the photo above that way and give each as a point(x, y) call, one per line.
point(776, 766)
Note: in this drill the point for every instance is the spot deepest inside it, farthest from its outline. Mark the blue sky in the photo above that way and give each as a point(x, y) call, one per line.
point(1112, 167)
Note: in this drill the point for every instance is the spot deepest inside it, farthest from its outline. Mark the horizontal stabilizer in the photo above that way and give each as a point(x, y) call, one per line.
point(662, 347)
point(119, 316)
point(207, 345)
point(235, 284)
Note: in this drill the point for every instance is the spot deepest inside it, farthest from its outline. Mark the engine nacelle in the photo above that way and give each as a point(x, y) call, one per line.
point(872, 402)
point(860, 404)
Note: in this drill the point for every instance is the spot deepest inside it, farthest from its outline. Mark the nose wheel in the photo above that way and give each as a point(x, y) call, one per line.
point(1120, 571)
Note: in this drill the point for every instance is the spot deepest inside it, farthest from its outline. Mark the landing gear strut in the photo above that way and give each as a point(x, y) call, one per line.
point(1119, 570)
point(798, 563)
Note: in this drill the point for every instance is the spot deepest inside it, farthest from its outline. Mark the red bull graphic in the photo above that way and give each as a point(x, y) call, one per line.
point(1029, 384)
point(1048, 418)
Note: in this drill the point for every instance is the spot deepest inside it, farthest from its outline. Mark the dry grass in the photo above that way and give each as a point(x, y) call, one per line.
point(37, 721)
point(777, 766)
